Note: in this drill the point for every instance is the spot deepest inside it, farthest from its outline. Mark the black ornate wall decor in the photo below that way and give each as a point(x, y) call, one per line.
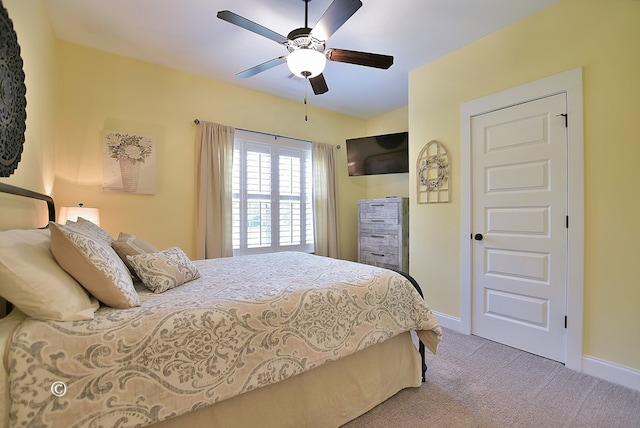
point(13, 103)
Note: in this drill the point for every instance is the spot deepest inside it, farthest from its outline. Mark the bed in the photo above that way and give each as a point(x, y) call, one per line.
point(285, 339)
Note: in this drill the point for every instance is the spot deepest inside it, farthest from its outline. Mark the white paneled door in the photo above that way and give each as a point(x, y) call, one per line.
point(519, 206)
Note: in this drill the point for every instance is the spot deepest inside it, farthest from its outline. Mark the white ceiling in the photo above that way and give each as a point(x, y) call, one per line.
point(187, 35)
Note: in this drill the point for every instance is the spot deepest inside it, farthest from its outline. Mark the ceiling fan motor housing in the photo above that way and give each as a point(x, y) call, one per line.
point(301, 38)
point(306, 53)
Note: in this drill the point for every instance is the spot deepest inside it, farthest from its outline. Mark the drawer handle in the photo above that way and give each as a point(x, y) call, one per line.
point(377, 221)
point(377, 236)
point(379, 255)
point(377, 205)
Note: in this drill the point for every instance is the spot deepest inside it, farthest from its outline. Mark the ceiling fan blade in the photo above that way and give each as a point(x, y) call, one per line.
point(238, 20)
point(262, 67)
point(318, 84)
point(359, 58)
point(336, 14)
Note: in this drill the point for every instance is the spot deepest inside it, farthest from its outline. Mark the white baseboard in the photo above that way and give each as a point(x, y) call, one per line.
point(447, 321)
point(596, 367)
point(611, 372)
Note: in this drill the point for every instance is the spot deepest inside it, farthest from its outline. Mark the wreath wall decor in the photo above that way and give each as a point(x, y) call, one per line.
point(13, 102)
point(433, 168)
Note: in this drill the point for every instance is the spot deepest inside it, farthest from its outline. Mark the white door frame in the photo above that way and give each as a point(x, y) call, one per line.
point(570, 83)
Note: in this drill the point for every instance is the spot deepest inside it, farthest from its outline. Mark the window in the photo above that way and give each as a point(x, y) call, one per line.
point(272, 205)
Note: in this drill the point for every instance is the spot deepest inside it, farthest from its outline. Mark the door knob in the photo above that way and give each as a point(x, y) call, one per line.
point(478, 236)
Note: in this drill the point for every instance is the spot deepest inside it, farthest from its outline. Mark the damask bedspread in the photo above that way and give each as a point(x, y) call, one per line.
point(245, 323)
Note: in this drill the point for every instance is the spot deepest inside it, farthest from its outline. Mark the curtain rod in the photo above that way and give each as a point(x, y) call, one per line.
point(197, 122)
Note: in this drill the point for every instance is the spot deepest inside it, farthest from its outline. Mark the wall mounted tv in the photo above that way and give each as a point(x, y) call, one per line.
point(378, 154)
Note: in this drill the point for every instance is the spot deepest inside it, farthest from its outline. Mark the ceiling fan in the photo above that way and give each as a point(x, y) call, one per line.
point(307, 46)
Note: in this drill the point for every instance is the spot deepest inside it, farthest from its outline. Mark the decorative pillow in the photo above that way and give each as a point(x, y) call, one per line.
point(31, 279)
point(95, 265)
point(164, 270)
point(131, 245)
point(88, 228)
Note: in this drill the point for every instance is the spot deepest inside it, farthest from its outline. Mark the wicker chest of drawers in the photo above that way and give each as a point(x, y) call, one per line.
point(383, 233)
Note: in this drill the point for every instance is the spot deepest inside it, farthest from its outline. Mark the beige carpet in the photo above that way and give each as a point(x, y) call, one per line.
point(474, 382)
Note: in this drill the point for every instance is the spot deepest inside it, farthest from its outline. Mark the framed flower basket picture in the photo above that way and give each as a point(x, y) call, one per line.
point(129, 163)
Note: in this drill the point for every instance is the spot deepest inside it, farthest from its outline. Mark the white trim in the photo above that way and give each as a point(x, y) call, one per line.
point(612, 372)
point(570, 83)
point(447, 321)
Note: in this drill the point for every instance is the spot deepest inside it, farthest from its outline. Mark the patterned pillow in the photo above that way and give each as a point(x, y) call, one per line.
point(95, 265)
point(90, 229)
point(131, 245)
point(164, 270)
point(31, 279)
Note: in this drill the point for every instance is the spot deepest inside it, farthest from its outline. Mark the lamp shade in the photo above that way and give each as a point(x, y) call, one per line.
point(72, 214)
point(305, 62)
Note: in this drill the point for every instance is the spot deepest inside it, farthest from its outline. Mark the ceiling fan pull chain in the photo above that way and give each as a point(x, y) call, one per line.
point(306, 118)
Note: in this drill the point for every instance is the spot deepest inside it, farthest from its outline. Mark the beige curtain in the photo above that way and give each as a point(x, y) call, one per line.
point(213, 211)
point(325, 200)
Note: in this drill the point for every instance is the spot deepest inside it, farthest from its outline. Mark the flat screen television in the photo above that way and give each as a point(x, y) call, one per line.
point(378, 154)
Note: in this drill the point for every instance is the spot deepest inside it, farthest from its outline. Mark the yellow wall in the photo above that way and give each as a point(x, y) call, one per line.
point(603, 37)
point(36, 168)
point(104, 91)
point(379, 186)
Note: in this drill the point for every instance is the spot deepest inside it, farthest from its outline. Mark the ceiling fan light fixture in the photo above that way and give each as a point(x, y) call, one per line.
point(306, 63)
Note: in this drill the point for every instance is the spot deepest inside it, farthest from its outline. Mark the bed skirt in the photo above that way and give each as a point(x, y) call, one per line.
point(327, 396)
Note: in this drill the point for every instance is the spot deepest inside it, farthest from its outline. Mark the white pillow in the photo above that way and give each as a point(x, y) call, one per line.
point(95, 265)
point(164, 270)
point(33, 282)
